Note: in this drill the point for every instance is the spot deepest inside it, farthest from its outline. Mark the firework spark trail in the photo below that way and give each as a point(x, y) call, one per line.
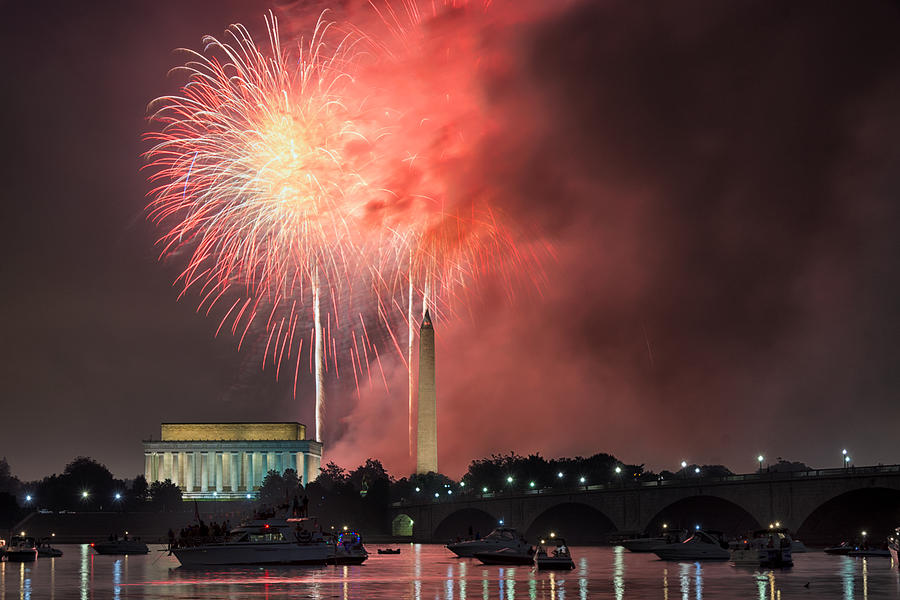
point(288, 176)
point(255, 176)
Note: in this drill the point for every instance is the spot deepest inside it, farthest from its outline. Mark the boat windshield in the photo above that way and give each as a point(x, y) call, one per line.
point(701, 537)
point(503, 534)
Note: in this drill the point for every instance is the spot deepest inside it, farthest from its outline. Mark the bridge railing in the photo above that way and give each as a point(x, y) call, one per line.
point(690, 480)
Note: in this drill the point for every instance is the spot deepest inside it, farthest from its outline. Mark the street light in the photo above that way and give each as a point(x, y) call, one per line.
point(436, 495)
point(84, 494)
point(618, 470)
point(118, 496)
point(847, 461)
point(417, 489)
point(27, 497)
point(531, 484)
point(697, 470)
point(509, 479)
point(760, 458)
point(484, 490)
point(582, 479)
point(684, 464)
point(560, 474)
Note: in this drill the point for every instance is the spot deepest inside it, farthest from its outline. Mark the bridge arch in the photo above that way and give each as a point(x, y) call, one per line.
point(707, 511)
point(845, 516)
point(577, 522)
point(402, 525)
point(459, 523)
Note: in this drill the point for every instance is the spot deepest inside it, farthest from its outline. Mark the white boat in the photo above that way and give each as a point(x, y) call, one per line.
point(272, 541)
point(763, 548)
point(21, 549)
point(505, 556)
point(501, 537)
point(702, 545)
point(558, 558)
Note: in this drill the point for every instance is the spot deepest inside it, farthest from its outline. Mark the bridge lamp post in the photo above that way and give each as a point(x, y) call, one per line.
point(697, 471)
point(618, 471)
point(847, 461)
point(583, 481)
point(683, 467)
point(28, 498)
point(484, 490)
point(760, 458)
point(844, 452)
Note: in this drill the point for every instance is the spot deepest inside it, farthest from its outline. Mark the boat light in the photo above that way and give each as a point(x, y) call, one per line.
point(864, 533)
point(777, 523)
point(543, 541)
point(449, 492)
point(697, 527)
point(22, 533)
point(345, 528)
point(417, 489)
point(436, 495)
point(267, 525)
point(552, 534)
point(84, 494)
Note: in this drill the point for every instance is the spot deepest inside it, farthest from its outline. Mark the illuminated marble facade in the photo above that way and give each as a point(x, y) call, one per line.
point(228, 460)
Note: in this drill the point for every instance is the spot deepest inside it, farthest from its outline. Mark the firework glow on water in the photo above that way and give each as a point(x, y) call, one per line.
point(313, 186)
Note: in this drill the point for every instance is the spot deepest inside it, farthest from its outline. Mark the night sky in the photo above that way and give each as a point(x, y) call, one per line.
point(718, 182)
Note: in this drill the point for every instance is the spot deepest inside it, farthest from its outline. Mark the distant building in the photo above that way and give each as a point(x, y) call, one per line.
point(229, 460)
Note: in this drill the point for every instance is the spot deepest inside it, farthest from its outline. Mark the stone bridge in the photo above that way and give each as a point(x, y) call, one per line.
point(818, 505)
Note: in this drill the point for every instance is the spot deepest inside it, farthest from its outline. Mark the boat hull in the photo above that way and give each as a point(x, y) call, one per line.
point(120, 548)
point(692, 553)
point(21, 555)
point(505, 558)
point(254, 554)
point(555, 564)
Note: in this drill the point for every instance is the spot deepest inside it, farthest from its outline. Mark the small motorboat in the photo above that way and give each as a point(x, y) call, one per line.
point(556, 559)
point(348, 550)
point(120, 545)
point(501, 537)
point(703, 545)
point(389, 551)
point(842, 549)
point(45, 550)
point(21, 549)
point(763, 548)
point(506, 556)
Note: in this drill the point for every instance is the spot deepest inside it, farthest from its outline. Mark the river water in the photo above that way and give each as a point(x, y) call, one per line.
point(431, 572)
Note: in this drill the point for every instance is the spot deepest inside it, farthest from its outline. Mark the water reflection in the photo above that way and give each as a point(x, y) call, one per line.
point(427, 572)
point(619, 572)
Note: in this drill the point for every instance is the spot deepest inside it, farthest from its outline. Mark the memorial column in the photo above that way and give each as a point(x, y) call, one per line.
point(204, 471)
point(219, 458)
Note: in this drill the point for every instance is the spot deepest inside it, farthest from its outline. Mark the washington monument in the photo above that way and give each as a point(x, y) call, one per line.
point(426, 438)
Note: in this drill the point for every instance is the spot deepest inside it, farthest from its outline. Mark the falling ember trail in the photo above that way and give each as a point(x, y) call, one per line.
point(319, 357)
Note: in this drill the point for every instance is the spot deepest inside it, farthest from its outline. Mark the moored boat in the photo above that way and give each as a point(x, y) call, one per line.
point(703, 545)
point(293, 541)
point(841, 549)
point(21, 549)
point(45, 550)
point(120, 545)
point(560, 558)
point(389, 551)
point(763, 548)
point(348, 550)
point(499, 538)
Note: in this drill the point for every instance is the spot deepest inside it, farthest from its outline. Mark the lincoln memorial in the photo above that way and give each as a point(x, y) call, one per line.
point(229, 460)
